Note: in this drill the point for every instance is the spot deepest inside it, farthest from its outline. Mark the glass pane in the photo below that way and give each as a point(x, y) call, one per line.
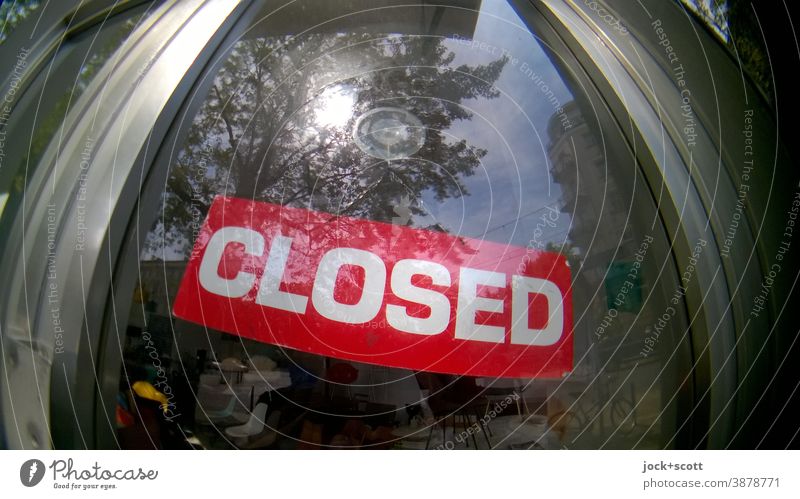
point(13, 13)
point(733, 23)
point(37, 114)
point(457, 121)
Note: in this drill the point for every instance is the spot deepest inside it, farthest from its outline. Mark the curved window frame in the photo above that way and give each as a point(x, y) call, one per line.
point(135, 98)
point(94, 364)
point(150, 201)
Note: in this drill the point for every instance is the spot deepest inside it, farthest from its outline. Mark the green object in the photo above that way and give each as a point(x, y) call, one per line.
point(624, 287)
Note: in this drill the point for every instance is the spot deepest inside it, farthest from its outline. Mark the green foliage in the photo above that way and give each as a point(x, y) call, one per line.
point(14, 12)
point(734, 23)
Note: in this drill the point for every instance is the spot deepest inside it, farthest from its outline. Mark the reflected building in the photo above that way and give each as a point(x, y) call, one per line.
point(578, 165)
point(590, 188)
point(609, 332)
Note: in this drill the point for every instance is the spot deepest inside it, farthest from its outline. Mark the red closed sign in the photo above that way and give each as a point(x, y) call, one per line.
point(378, 293)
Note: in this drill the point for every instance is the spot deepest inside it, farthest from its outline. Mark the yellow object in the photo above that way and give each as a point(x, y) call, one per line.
point(149, 392)
point(140, 295)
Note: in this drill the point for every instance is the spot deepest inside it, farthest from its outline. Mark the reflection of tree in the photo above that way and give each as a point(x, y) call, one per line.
point(102, 48)
point(13, 13)
point(714, 13)
point(734, 23)
point(58, 88)
point(273, 128)
point(566, 248)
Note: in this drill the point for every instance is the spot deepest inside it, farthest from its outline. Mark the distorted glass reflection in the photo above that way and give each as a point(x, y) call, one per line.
point(39, 113)
point(453, 119)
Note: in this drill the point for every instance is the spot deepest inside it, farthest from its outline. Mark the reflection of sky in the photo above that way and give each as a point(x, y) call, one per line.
point(508, 194)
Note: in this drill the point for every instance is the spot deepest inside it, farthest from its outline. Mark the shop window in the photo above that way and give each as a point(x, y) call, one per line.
point(451, 123)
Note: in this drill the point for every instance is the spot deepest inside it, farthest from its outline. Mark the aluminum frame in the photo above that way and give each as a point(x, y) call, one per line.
point(733, 360)
point(117, 114)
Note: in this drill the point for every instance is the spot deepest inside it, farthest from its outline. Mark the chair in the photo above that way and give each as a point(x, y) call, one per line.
point(267, 437)
point(451, 397)
point(341, 375)
point(498, 392)
point(218, 405)
point(224, 412)
point(219, 415)
point(253, 426)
